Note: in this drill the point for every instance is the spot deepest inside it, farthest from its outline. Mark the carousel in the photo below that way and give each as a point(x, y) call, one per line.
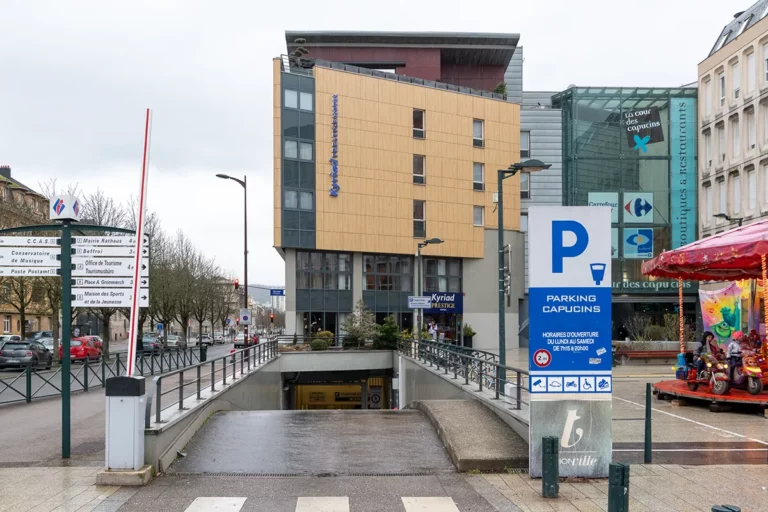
point(715, 372)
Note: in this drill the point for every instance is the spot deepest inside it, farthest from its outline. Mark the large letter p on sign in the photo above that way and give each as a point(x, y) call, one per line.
point(559, 250)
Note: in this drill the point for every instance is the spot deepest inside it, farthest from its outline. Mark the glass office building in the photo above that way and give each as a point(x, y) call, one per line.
point(635, 150)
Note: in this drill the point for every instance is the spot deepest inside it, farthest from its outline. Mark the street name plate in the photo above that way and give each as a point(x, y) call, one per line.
point(29, 241)
point(106, 267)
point(108, 282)
point(29, 271)
point(107, 298)
point(419, 302)
point(116, 250)
point(29, 256)
point(129, 240)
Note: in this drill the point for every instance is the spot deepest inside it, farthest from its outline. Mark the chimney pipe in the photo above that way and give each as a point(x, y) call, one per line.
point(5, 171)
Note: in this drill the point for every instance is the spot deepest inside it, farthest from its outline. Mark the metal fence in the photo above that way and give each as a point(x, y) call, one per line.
point(171, 389)
point(32, 383)
point(477, 366)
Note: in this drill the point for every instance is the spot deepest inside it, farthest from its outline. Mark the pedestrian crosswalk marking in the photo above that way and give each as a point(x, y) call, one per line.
point(429, 505)
point(216, 505)
point(323, 504)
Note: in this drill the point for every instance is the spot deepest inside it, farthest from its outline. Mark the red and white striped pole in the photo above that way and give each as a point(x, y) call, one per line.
point(134, 326)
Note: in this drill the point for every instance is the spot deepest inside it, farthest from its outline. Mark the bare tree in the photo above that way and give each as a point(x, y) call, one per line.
point(103, 210)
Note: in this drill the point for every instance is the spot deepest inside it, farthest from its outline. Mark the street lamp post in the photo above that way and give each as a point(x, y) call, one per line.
point(418, 284)
point(527, 166)
point(243, 182)
point(728, 218)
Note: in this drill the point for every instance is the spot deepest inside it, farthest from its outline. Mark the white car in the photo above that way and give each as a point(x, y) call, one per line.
point(218, 337)
point(207, 340)
point(174, 341)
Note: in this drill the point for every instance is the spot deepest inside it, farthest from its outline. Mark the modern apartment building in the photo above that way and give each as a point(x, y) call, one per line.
point(733, 128)
point(384, 140)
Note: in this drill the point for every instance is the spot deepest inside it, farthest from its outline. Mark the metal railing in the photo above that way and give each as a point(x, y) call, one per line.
point(191, 381)
point(33, 383)
point(462, 362)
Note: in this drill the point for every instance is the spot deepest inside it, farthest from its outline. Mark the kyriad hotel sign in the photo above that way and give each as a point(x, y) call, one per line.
point(570, 337)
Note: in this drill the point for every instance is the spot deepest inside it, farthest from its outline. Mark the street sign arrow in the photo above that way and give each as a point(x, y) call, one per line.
point(29, 271)
point(107, 282)
point(106, 267)
point(29, 256)
point(107, 297)
point(112, 241)
point(29, 241)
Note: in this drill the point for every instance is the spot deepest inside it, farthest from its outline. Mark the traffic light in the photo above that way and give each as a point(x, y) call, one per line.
point(272, 318)
point(237, 284)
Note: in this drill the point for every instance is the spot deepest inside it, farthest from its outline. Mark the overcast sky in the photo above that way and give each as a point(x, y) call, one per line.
point(76, 76)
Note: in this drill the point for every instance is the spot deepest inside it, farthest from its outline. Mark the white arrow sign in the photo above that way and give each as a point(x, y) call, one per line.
point(106, 267)
point(107, 298)
point(29, 271)
point(111, 241)
point(29, 256)
point(28, 241)
point(117, 250)
point(108, 282)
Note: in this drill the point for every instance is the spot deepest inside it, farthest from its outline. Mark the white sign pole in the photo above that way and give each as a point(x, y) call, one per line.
point(132, 342)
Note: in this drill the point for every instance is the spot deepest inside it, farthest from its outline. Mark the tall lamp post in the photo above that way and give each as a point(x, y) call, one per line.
point(728, 218)
point(243, 182)
point(418, 285)
point(532, 165)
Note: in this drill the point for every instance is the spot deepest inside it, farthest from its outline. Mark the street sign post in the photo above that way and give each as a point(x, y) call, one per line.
point(570, 364)
point(108, 297)
point(245, 316)
point(277, 292)
point(86, 266)
point(29, 241)
point(419, 302)
point(119, 241)
point(115, 251)
point(29, 256)
point(108, 282)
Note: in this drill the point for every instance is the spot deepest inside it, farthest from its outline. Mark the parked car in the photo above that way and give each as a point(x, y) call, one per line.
point(18, 354)
point(81, 349)
point(36, 335)
point(97, 341)
point(149, 345)
point(173, 341)
point(207, 340)
point(48, 343)
point(241, 342)
point(218, 337)
point(8, 337)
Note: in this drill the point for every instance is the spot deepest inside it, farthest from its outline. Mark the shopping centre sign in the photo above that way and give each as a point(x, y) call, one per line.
point(570, 380)
point(661, 286)
point(334, 190)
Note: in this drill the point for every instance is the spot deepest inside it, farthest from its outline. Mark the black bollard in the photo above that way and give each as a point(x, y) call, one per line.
point(618, 487)
point(550, 469)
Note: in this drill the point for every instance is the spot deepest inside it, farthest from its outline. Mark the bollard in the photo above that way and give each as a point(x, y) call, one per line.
point(28, 372)
point(648, 451)
point(618, 487)
point(203, 353)
point(550, 470)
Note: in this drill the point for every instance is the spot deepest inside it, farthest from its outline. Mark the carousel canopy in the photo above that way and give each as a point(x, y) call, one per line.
point(734, 254)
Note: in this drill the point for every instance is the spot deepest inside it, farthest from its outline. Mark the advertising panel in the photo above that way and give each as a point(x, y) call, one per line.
point(638, 243)
point(682, 172)
point(642, 127)
point(445, 302)
point(605, 199)
point(570, 336)
point(638, 208)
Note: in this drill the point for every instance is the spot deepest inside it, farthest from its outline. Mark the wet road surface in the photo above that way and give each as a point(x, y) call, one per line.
point(319, 443)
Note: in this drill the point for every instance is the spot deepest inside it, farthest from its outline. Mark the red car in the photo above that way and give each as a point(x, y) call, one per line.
point(98, 343)
point(82, 349)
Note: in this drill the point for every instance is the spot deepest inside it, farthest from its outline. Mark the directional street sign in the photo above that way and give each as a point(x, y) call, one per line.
point(116, 250)
point(125, 241)
point(106, 267)
point(107, 298)
point(29, 241)
point(29, 256)
point(108, 282)
point(28, 271)
point(277, 292)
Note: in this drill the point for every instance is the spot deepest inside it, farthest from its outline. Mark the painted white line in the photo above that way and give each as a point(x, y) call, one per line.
point(701, 450)
point(695, 422)
point(323, 504)
point(429, 505)
point(216, 505)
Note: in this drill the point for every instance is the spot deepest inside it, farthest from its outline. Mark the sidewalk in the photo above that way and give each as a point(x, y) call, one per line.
point(653, 488)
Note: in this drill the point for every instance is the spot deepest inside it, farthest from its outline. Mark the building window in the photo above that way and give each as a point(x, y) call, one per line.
point(478, 215)
point(720, 128)
point(305, 200)
point(305, 151)
point(722, 196)
point(525, 185)
point(291, 149)
point(305, 101)
point(736, 77)
point(735, 136)
point(387, 273)
point(418, 124)
point(478, 176)
point(477, 133)
point(524, 222)
point(751, 129)
point(735, 181)
point(297, 200)
point(708, 98)
point(525, 144)
point(764, 171)
point(7, 323)
point(707, 138)
point(323, 271)
point(419, 219)
point(442, 275)
point(418, 169)
point(721, 42)
point(291, 99)
point(743, 25)
point(721, 88)
point(764, 114)
point(708, 202)
point(751, 73)
point(5, 192)
point(765, 59)
point(752, 188)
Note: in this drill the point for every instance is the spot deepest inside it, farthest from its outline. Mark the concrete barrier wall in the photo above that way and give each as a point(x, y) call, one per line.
point(258, 391)
point(335, 361)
